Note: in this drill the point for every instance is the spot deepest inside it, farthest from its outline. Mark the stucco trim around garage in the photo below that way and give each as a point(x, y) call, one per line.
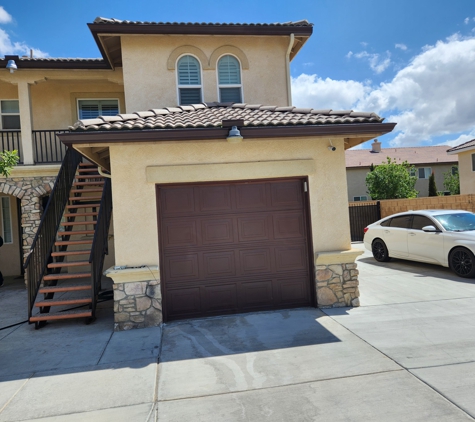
point(337, 257)
point(133, 274)
point(229, 171)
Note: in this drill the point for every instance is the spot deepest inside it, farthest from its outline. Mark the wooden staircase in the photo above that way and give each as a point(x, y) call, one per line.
point(64, 288)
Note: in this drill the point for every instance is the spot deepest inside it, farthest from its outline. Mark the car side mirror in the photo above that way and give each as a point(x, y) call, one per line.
point(429, 229)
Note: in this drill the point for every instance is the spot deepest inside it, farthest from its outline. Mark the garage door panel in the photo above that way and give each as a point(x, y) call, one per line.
point(215, 198)
point(257, 294)
point(253, 228)
point(291, 258)
point(251, 197)
point(288, 225)
point(181, 267)
point(293, 291)
point(255, 261)
point(183, 302)
point(287, 194)
point(180, 233)
point(219, 264)
point(178, 200)
point(221, 298)
point(217, 231)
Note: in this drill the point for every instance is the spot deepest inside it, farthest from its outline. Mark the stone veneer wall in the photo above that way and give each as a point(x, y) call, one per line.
point(337, 285)
point(137, 305)
point(29, 190)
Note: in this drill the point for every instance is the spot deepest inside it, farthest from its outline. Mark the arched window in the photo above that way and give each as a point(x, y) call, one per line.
point(189, 81)
point(229, 80)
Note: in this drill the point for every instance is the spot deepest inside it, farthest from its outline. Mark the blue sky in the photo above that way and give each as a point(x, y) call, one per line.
point(412, 62)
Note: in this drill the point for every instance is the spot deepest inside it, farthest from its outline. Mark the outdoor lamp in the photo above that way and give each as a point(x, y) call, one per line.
point(234, 135)
point(12, 66)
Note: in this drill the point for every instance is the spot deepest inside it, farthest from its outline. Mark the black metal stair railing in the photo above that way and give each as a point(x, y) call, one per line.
point(100, 242)
point(36, 263)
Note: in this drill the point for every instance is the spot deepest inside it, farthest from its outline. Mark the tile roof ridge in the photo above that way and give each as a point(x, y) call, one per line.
point(461, 145)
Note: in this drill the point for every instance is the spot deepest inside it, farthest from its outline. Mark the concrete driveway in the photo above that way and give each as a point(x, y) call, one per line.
point(406, 354)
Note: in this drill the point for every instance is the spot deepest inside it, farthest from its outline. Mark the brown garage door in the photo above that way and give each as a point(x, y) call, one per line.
point(234, 247)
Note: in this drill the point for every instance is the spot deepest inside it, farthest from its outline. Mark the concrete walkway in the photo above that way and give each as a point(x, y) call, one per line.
point(407, 354)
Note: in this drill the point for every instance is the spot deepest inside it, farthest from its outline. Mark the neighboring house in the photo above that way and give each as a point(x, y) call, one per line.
point(425, 160)
point(466, 157)
point(225, 197)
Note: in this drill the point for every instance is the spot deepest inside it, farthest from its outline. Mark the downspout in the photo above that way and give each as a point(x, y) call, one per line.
point(99, 169)
point(287, 66)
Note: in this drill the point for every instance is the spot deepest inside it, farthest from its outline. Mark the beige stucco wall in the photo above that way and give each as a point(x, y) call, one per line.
point(356, 179)
point(467, 176)
point(149, 84)
point(134, 199)
point(10, 260)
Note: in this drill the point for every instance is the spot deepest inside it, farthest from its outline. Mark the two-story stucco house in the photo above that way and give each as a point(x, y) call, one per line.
point(225, 197)
point(466, 157)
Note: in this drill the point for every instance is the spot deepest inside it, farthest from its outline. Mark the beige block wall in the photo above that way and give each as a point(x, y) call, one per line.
point(10, 260)
point(467, 176)
point(149, 84)
point(134, 199)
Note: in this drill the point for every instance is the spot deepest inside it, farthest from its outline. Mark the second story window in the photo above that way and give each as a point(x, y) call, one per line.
point(189, 81)
point(229, 80)
point(421, 172)
point(90, 109)
point(9, 114)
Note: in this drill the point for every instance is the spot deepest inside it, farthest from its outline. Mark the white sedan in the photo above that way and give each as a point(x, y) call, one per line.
point(443, 237)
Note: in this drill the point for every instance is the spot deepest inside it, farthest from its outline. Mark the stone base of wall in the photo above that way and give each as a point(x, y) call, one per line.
point(337, 285)
point(137, 305)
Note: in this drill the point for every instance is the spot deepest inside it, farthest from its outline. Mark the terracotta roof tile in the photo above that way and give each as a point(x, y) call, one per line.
point(212, 115)
point(413, 155)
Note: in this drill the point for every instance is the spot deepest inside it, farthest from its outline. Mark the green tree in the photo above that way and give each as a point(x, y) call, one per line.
point(391, 180)
point(432, 185)
point(452, 181)
point(8, 160)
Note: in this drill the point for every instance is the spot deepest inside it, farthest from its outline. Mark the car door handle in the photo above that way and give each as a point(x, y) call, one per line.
point(412, 234)
point(386, 231)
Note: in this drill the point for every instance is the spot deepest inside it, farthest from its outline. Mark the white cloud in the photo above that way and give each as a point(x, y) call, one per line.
point(430, 97)
point(5, 17)
point(312, 91)
point(377, 63)
point(461, 139)
point(19, 48)
point(466, 21)
point(401, 46)
point(364, 44)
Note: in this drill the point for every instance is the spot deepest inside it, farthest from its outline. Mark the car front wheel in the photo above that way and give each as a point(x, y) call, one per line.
point(462, 262)
point(380, 251)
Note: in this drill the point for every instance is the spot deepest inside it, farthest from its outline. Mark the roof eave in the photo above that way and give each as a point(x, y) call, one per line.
point(458, 151)
point(215, 133)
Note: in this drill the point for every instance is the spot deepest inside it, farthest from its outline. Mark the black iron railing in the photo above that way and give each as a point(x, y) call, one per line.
point(42, 246)
point(47, 147)
point(11, 140)
point(99, 244)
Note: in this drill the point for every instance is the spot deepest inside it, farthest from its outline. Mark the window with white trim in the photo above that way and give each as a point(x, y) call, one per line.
point(9, 114)
point(189, 81)
point(229, 80)
point(92, 108)
point(360, 198)
point(421, 172)
point(6, 220)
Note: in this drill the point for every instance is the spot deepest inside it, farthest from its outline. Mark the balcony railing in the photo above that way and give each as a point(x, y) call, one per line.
point(11, 140)
point(47, 148)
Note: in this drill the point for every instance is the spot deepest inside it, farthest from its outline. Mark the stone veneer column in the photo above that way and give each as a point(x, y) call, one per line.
point(336, 279)
point(137, 297)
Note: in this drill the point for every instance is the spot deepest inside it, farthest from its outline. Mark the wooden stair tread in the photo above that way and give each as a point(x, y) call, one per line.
point(81, 214)
point(65, 288)
point(66, 276)
point(89, 176)
point(87, 170)
point(87, 165)
point(75, 232)
point(88, 183)
point(69, 253)
point(76, 313)
point(60, 302)
point(73, 242)
point(84, 198)
point(86, 190)
point(77, 223)
point(68, 264)
point(91, 205)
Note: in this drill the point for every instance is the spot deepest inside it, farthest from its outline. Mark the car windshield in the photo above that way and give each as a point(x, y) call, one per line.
point(457, 222)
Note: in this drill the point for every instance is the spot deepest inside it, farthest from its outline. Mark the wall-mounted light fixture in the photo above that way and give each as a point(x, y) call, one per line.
point(234, 135)
point(12, 66)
